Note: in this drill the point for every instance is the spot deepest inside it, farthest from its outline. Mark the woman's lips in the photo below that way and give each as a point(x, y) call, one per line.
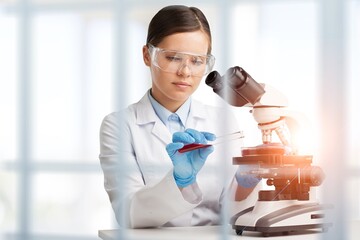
point(182, 84)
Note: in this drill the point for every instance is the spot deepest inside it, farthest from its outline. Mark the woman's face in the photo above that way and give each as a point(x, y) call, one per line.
point(173, 89)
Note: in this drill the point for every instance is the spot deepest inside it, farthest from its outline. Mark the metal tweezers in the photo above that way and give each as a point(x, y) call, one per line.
point(220, 139)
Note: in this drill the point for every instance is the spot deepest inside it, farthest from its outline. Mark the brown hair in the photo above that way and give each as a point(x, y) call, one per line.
point(177, 19)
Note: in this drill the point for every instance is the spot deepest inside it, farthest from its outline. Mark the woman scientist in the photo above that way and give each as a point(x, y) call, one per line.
point(148, 181)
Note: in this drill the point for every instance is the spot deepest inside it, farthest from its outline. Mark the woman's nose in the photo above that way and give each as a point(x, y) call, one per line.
point(184, 70)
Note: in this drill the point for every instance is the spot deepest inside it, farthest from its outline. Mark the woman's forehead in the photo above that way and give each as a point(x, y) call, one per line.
point(192, 42)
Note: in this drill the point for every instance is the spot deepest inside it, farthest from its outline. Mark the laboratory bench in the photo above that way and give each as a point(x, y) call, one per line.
point(201, 233)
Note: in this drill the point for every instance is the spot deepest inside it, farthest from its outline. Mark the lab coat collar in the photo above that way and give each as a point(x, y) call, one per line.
point(146, 114)
point(164, 114)
point(196, 115)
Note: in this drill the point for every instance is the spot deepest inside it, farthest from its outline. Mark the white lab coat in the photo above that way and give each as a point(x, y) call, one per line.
point(138, 171)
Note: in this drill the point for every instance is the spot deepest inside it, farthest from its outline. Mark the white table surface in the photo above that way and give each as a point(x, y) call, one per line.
point(197, 233)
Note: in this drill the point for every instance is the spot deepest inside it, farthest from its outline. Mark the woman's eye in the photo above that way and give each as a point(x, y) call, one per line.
point(198, 61)
point(174, 58)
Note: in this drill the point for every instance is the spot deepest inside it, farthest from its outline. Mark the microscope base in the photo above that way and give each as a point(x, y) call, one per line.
point(285, 216)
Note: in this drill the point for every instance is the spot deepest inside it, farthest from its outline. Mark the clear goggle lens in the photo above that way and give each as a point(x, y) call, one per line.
point(173, 61)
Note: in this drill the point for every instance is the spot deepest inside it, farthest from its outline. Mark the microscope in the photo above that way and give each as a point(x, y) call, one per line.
point(287, 207)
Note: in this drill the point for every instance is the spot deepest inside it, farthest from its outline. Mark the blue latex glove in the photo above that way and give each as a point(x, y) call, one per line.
point(188, 164)
point(246, 179)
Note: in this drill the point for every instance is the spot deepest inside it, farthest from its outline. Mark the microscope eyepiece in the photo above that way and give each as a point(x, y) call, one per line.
point(236, 87)
point(214, 80)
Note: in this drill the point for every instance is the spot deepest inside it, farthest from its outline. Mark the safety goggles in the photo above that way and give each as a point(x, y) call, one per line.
point(173, 61)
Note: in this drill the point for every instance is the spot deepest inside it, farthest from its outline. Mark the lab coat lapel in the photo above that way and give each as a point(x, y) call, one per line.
point(146, 115)
point(196, 116)
point(161, 132)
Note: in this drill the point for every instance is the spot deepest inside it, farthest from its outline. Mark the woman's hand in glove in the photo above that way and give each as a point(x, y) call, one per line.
point(188, 164)
point(245, 178)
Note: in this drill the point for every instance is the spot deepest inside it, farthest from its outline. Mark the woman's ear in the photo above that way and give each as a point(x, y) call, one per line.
point(146, 56)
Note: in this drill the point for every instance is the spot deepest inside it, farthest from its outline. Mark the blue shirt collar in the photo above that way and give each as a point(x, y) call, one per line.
point(163, 113)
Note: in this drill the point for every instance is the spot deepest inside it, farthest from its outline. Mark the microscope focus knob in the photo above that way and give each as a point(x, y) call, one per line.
point(316, 176)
